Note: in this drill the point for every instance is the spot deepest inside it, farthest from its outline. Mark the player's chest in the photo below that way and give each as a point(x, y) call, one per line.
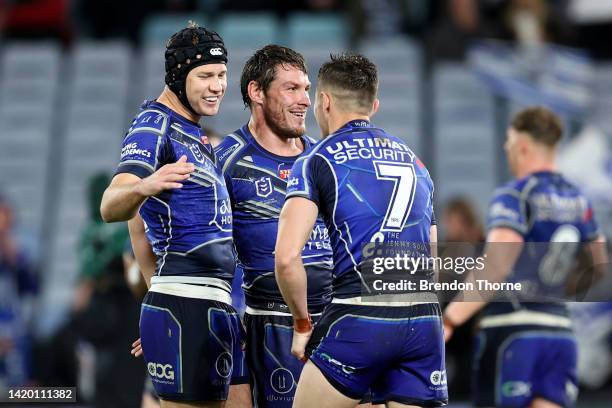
point(260, 180)
point(198, 153)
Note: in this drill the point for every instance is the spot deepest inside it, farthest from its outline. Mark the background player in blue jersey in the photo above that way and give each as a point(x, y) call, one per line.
point(189, 331)
point(526, 354)
point(256, 161)
point(369, 187)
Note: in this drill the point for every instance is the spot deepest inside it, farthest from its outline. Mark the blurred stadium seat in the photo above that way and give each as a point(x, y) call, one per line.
point(464, 128)
point(328, 31)
point(158, 28)
point(93, 123)
point(29, 81)
point(246, 31)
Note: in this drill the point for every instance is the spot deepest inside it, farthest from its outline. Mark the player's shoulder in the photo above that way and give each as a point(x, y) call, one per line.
point(519, 188)
point(151, 119)
point(230, 148)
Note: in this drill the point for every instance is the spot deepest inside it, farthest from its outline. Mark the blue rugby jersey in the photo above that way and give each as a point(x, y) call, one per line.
point(369, 187)
point(257, 182)
point(190, 228)
point(543, 208)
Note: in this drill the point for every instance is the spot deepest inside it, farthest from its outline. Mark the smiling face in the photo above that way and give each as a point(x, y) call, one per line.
point(206, 86)
point(286, 102)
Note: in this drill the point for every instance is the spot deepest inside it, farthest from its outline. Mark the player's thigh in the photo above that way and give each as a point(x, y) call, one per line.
point(314, 391)
point(239, 396)
point(370, 405)
point(542, 403)
point(417, 376)
point(274, 371)
point(187, 364)
point(393, 404)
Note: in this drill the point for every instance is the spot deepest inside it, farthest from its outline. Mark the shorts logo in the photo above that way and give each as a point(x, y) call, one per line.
point(263, 187)
point(282, 380)
point(516, 389)
point(224, 364)
point(346, 369)
point(163, 371)
point(438, 377)
point(216, 51)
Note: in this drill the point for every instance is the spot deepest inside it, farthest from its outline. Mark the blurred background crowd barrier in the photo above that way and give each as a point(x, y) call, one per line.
point(452, 72)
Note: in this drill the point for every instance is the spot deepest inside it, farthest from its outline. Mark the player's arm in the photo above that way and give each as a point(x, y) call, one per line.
point(504, 245)
point(126, 192)
point(591, 268)
point(599, 255)
point(433, 241)
point(296, 222)
point(145, 258)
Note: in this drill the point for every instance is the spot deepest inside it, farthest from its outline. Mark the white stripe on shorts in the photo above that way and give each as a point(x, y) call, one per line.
point(192, 291)
point(522, 317)
point(260, 312)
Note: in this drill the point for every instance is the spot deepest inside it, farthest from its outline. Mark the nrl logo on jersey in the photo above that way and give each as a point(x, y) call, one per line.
point(197, 152)
point(263, 186)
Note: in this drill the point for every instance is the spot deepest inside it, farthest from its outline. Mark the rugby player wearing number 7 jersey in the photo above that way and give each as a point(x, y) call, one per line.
point(369, 187)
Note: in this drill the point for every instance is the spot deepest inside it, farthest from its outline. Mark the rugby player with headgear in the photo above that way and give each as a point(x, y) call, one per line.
point(538, 224)
point(256, 161)
point(190, 333)
point(368, 186)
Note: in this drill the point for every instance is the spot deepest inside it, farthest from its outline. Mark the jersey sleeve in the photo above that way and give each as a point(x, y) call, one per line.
point(508, 210)
point(434, 221)
point(309, 179)
point(142, 146)
point(227, 153)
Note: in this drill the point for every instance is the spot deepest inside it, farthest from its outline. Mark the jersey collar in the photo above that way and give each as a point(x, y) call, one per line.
point(354, 124)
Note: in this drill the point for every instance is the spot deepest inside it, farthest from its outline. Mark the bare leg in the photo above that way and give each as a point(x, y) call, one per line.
point(239, 396)
point(314, 391)
point(543, 403)
point(393, 404)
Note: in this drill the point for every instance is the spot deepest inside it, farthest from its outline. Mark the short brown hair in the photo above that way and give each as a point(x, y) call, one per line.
point(353, 80)
point(261, 67)
point(540, 123)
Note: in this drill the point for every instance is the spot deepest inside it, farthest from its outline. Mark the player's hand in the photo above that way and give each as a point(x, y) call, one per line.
point(298, 344)
point(449, 329)
point(168, 177)
point(136, 348)
point(6, 345)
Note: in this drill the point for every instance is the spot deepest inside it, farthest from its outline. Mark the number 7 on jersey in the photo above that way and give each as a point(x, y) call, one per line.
point(400, 203)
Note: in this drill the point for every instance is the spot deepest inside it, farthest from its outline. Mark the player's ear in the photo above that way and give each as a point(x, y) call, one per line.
point(255, 92)
point(524, 144)
point(325, 101)
point(375, 106)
